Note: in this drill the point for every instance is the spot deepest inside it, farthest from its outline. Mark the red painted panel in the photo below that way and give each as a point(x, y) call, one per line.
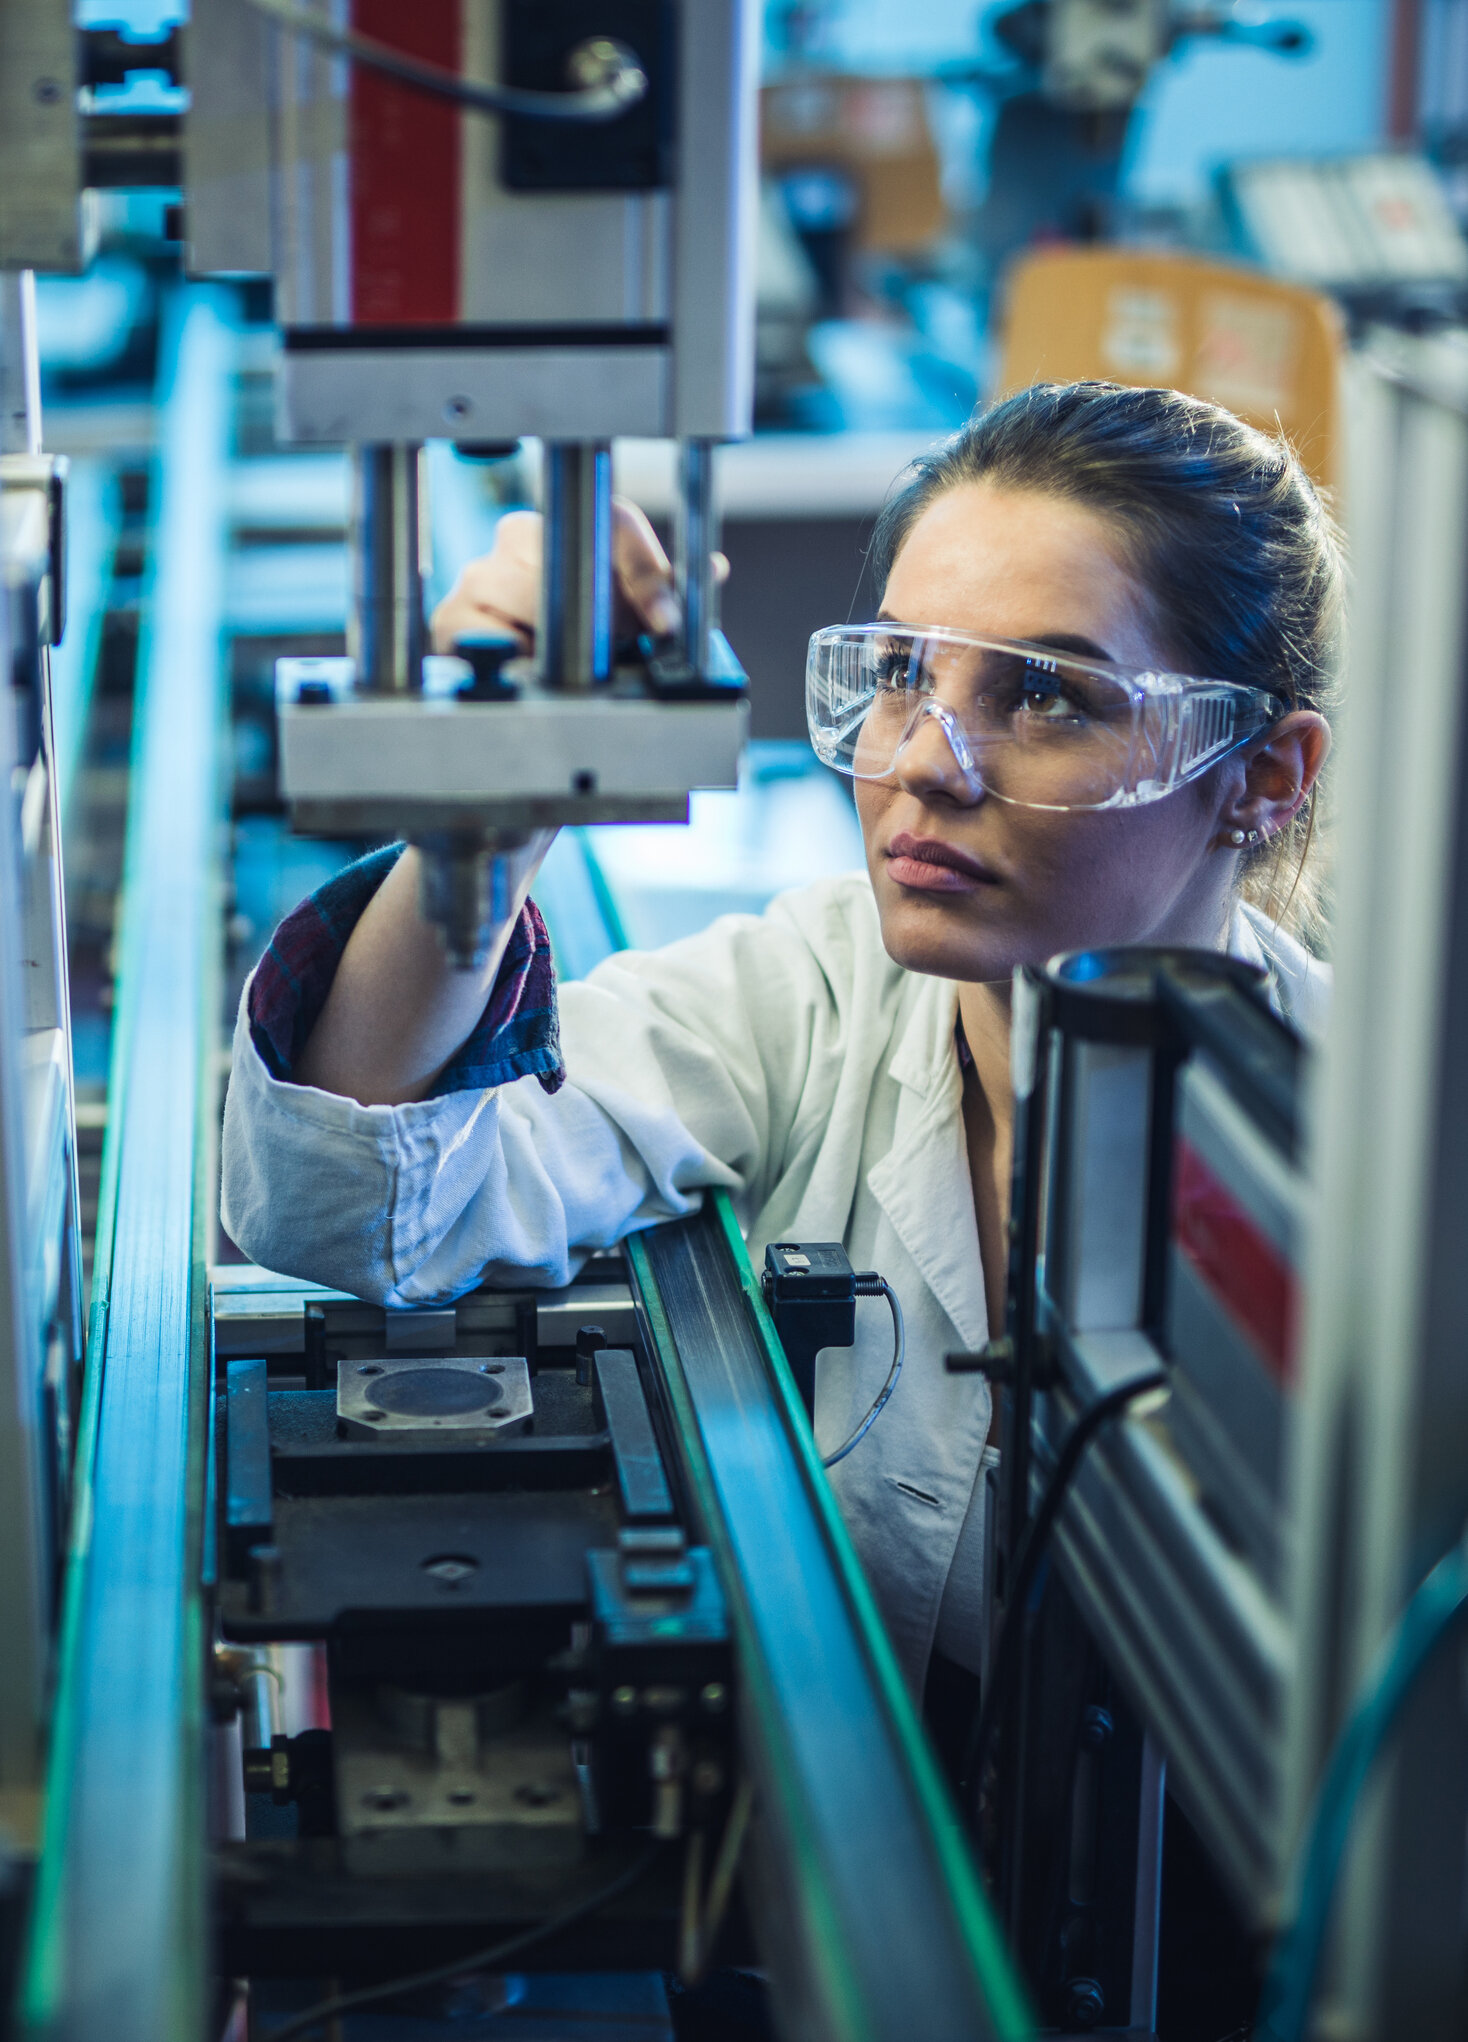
point(405, 172)
point(1241, 1266)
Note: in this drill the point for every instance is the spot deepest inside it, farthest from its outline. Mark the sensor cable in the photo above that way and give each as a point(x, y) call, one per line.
point(873, 1286)
point(607, 75)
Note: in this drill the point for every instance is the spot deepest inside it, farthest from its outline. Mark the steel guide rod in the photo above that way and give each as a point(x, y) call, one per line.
point(697, 535)
point(385, 632)
point(576, 584)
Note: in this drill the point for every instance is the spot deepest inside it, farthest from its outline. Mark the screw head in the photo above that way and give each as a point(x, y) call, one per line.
point(537, 1793)
point(1096, 1728)
point(451, 1569)
point(46, 91)
point(624, 1700)
point(383, 1800)
point(714, 1697)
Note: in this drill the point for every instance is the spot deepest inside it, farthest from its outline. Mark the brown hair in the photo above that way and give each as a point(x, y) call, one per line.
point(1221, 525)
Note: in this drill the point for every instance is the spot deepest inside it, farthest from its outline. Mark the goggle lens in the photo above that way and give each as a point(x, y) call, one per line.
point(1040, 730)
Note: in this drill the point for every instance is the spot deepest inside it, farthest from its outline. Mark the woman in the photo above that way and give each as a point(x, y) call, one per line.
point(840, 1063)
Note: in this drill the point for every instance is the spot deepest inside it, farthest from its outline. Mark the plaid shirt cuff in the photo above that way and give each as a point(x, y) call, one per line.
point(517, 1035)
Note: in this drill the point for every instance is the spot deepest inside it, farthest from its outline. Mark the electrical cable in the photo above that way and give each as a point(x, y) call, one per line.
point(899, 1349)
point(700, 1931)
point(1438, 1604)
point(1005, 1662)
point(617, 79)
point(474, 1960)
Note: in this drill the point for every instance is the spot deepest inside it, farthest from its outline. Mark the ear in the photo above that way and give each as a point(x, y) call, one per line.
point(1279, 771)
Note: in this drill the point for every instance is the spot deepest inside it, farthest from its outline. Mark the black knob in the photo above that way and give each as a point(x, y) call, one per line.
point(488, 653)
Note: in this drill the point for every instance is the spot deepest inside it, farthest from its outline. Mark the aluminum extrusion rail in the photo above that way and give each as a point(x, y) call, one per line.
point(869, 1911)
point(119, 1942)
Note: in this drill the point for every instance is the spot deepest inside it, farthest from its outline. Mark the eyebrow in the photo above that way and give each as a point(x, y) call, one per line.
point(1048, 641)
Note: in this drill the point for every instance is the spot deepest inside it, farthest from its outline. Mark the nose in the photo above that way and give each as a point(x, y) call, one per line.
point(933, 756)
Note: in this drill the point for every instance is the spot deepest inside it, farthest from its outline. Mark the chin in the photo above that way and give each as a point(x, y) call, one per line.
point(933, 939)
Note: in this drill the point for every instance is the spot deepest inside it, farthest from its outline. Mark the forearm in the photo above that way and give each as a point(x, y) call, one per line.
point(397, 1010)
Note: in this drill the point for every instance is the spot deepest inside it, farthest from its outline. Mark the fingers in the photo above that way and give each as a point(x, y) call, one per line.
point(501, 591)
point(644, 576)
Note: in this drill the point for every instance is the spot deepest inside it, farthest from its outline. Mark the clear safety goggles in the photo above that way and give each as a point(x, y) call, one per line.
point(1040, 729)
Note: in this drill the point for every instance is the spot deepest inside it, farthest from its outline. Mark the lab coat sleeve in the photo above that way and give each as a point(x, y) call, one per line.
point(686, 1068)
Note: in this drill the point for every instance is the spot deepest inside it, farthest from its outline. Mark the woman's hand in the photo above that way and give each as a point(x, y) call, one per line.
point(501, 591)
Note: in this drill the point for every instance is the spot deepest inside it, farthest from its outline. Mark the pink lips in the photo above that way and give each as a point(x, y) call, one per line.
point(929, 865)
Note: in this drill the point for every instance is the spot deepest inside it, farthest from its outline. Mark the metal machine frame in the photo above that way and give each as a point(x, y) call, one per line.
point(40, 1252)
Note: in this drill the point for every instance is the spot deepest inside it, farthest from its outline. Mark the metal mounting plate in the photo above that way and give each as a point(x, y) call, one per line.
point(432, 1394)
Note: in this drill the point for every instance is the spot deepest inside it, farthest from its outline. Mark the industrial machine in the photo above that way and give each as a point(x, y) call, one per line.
point(497, 1662)
point(519, 1641)
point(577, 269)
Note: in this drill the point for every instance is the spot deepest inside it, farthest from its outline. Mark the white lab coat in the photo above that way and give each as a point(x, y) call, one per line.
point(783, 1056)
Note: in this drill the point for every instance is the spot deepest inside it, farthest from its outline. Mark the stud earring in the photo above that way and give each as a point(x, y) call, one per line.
point(1240, 837)
point(1236, 836)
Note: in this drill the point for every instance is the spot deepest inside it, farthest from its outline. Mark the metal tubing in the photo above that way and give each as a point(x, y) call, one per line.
point(464, 889)
point(385, 627)
point(1147, 1915)
point(697, 536)
point(576, 577)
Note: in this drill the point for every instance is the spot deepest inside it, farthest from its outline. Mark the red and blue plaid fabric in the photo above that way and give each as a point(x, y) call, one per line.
point(517, 1036)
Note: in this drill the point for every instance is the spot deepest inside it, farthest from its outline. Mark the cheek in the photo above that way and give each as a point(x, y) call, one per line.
point(1106, 877)
point(871, 799)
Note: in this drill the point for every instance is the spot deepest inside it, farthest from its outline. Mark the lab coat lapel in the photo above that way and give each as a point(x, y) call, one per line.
point(922, 1183)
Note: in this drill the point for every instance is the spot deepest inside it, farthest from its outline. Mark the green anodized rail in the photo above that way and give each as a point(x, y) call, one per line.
point(895, 1936)
point(118, 1943)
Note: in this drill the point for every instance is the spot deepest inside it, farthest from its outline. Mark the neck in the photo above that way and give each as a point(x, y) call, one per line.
point(984, 1012)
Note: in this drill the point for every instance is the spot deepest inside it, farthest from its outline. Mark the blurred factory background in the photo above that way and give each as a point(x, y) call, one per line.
point(1221, 193)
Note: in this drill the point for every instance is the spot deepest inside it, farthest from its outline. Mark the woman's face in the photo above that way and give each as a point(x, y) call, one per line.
point(968, 886)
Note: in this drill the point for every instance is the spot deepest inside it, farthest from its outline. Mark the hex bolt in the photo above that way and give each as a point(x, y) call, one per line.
point(589, 1341)
point(1086, 2001)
